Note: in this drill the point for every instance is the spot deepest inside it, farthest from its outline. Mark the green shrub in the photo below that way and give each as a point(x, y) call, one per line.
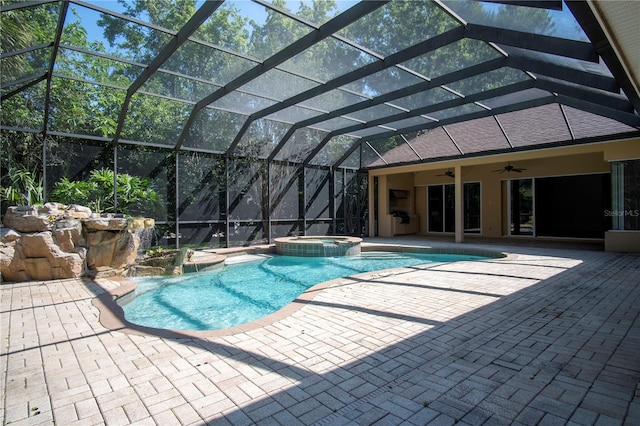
point(24, 188)
point(134, 194)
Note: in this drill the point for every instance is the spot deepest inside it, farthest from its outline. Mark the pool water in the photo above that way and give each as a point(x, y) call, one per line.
point(243, 292)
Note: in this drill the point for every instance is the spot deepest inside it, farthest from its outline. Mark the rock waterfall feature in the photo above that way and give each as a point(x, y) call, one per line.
point(56, 241)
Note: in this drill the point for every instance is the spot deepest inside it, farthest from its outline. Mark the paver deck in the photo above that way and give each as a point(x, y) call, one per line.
point(544, 336)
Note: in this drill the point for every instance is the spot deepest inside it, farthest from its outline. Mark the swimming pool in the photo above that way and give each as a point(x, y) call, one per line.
point(243, 292)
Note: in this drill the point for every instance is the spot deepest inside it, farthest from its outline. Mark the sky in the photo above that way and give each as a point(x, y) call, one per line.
point(565, 23)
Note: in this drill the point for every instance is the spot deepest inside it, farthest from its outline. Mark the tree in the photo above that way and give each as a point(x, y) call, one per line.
point(21, 159)
point(24, 28)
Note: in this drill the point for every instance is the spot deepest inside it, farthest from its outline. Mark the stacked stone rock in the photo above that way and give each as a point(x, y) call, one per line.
point(56, 241)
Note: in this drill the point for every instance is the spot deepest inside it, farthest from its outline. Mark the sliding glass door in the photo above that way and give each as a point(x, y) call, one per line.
point(573, 206)
point(441, 208)
point(521, 207)
point(472, 217)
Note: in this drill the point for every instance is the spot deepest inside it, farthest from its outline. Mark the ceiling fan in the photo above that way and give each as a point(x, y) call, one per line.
point(448, 173)
point(509, 168)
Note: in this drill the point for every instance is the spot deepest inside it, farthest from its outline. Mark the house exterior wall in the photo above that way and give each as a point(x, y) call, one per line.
point(564, 161)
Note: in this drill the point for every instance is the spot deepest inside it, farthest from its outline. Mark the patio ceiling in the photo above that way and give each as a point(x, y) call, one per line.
point(371, 84)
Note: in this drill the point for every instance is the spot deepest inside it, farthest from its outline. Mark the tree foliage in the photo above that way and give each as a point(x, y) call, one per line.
point(88, 93)
point(24, 188)
point(135, 194)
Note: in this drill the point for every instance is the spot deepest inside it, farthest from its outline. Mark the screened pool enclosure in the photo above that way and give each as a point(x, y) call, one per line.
point(252, 120)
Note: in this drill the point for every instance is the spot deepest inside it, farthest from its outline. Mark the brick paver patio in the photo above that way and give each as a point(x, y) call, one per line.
point(544, 336)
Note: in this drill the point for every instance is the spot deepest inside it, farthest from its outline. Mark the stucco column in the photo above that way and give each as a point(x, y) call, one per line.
point(459, 204)
point(384, 218)
point(370, 202)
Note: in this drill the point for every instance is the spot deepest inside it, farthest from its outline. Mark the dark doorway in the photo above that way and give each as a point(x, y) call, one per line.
point(573, 206)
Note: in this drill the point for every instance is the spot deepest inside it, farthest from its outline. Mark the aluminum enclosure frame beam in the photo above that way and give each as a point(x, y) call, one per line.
point(611, 106)
point(539, 43)
point(324, 31)
point(181, 37)
point(433, 43)
point(515, 87)
point(583, 13)
point(452, 120)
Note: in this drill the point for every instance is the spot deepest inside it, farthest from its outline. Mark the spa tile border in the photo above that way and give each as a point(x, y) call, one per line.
point(304, 246)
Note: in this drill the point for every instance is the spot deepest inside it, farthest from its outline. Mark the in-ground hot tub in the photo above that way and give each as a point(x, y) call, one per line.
point(321, 246)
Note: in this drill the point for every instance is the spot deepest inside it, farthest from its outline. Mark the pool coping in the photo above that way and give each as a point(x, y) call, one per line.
point(111, 314)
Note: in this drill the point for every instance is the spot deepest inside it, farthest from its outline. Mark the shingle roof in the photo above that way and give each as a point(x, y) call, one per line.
point(543, 126)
